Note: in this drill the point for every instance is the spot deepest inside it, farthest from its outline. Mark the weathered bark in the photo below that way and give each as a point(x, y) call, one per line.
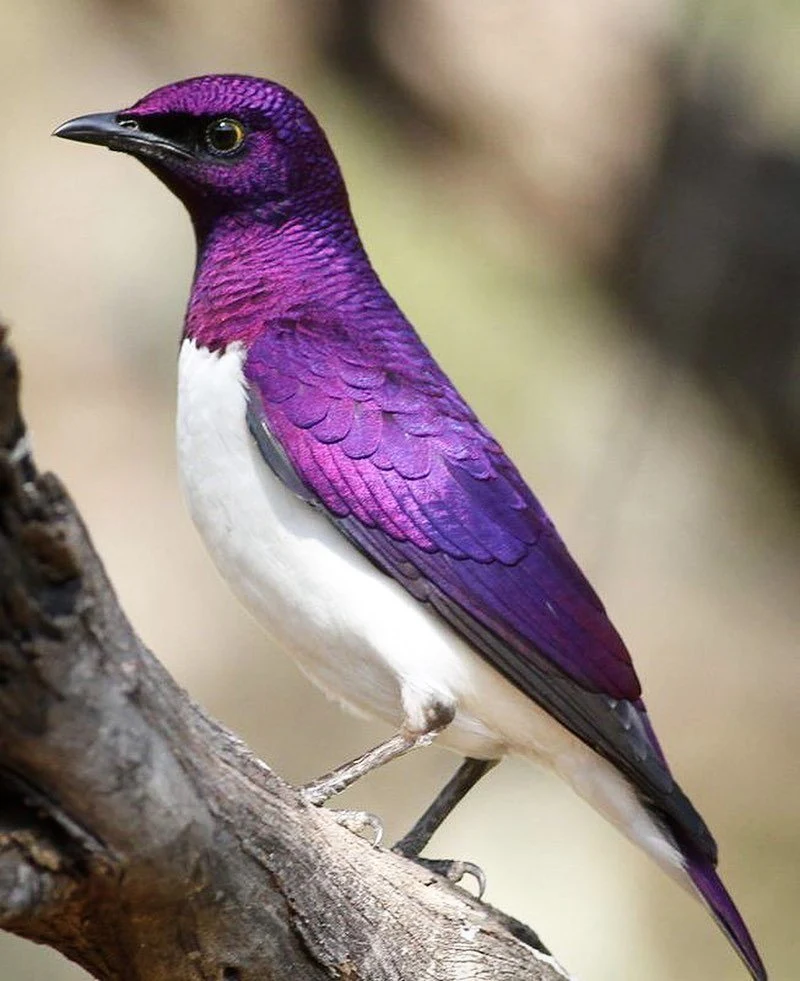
point(143, 840)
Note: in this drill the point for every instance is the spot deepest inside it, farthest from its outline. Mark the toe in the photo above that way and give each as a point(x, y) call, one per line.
point(455, 871)
point(360, 822)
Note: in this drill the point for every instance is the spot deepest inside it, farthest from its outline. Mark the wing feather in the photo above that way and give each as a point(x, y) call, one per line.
point(401, 466)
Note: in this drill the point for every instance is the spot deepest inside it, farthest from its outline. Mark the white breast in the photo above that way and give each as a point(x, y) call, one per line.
point(355, 632)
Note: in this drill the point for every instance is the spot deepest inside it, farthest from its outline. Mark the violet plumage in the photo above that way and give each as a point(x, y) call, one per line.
point(357, 505)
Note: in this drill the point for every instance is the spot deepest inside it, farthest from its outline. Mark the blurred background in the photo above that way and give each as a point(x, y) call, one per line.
point(591, 211)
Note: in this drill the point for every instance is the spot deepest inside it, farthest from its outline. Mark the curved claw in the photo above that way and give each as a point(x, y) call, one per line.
point(360, 821)
point(454, 871)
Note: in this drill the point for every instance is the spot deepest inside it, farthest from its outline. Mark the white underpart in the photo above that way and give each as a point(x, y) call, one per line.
point(352, 630)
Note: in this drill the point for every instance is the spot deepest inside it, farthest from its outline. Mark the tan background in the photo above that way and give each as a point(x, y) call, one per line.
point(682, 524)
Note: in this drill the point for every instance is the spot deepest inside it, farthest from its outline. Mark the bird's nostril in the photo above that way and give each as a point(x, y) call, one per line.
point(129, 123)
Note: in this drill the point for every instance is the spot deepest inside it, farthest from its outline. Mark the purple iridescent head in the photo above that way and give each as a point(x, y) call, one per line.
point(226, 145)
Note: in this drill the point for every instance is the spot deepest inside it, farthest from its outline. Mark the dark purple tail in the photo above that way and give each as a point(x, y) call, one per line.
point(694, 841)
point(716, 897)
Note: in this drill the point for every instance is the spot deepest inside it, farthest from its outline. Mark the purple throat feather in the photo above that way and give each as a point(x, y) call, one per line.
point(358, 507)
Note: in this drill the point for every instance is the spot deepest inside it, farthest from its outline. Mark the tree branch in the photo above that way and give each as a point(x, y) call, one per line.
point(143, 840)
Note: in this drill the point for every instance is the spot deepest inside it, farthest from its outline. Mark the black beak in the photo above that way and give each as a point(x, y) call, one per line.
point(115, 131)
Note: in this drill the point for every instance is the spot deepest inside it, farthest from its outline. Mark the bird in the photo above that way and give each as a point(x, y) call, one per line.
point(358, 507)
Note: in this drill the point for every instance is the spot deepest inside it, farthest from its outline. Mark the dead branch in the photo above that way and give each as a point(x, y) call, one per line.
point(143, 840)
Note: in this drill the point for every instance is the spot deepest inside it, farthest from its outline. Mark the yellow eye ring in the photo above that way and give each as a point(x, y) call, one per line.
point(225, 136)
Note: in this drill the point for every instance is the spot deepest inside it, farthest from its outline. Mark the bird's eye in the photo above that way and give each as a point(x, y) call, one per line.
point(225, 136)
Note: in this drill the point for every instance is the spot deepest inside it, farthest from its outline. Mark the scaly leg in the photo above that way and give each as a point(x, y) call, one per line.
point(454, 791)
point(462, 781)
point(320, 790)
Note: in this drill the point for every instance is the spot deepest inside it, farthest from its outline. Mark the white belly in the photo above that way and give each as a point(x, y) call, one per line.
point(353, 631)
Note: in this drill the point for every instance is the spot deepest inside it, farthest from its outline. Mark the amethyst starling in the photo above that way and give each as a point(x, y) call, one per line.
point(357, 506)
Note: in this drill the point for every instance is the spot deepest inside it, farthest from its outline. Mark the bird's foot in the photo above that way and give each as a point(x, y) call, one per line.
point(361, 823)
point(453, 870)
point(318, 792)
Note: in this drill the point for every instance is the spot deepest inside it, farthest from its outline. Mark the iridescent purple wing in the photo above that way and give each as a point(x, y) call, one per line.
point(366, 427)
point(396, 451)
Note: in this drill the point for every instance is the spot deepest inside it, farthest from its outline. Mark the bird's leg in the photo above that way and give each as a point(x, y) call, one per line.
point(454, 791)
point(327, 786)
point(411, 844)
point(438, 717)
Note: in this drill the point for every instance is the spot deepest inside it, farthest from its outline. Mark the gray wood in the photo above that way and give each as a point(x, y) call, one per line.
point(142, 839)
